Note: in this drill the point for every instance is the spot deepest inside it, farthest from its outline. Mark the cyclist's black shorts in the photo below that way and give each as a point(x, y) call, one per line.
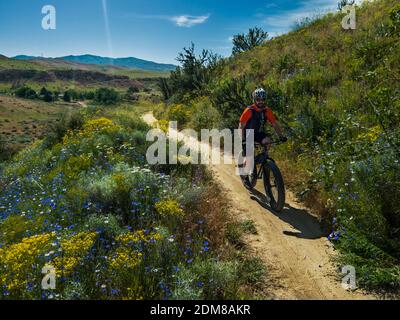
point(259, 136)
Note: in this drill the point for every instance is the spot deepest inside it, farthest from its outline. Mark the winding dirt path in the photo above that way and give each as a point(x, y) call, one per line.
point(296, 253)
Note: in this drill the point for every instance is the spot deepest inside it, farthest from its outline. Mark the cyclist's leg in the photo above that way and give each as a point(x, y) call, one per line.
point(265, 139)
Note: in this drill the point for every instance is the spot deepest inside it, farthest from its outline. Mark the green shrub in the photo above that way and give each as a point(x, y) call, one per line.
point(252, 270)
point(204, 115)
point(231, 96)
point(218, 280)
point(179, 113)
point(57, 130)
point(248, 226)
point(106, 96)
point(26, 92)
point(234, 234)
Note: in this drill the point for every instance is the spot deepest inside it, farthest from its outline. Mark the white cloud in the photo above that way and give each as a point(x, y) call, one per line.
point(189, 21)
point(180, 21)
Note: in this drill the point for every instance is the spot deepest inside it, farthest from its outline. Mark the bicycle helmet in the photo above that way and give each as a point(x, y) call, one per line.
point(259, 93)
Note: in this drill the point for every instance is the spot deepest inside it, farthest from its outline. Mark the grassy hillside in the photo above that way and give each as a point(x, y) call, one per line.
point(337, 93)
point(23, 121)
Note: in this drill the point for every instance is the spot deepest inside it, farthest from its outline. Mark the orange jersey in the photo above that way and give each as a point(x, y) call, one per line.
point(247, 114)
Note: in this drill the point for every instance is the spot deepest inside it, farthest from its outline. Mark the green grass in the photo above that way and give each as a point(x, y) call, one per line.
point(20, 64)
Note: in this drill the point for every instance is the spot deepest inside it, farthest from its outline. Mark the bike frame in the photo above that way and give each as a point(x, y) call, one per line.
point(263, 157)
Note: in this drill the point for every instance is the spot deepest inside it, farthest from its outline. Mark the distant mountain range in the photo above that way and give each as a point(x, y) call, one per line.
point(129, 63)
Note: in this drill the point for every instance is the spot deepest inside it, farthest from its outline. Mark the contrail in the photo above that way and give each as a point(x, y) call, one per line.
point(107, 26)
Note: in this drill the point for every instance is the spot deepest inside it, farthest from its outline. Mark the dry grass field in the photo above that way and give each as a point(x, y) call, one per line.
point(23, 121)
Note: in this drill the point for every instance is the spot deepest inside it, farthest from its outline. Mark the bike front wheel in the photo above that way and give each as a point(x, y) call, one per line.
point(274, 185)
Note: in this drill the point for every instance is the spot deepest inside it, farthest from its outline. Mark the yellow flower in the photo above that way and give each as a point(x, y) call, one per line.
point(122, 183)
point(16, 260)
point(74, 250)
point(163, 125)
point(125, 258)
point(101, 124)
point(132, 238)
point(169, 208)
point(91, 128)
point(134, 294)
point(371, 135)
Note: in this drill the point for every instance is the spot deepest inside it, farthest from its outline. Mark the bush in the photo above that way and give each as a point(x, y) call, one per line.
point(219, 280)
point(204, 115)
point(67, 96)
point(133, 90)
point(252, 270)
point(6, 151)
point(106, 96)
point(343, 3)
point(57, 130)
point(48, 97)
point(89, 95)
point(231, 96)
point(26, 92)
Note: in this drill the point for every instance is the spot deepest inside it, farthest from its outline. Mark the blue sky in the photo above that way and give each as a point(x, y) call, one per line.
point(153, 30)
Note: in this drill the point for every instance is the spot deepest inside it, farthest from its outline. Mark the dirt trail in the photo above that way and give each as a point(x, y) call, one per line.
point(291, 244)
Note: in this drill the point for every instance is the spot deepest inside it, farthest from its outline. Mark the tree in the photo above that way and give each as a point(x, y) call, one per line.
point(344, 3)
point(2, 144)
point(43, 92)
point(164, 87)
point(26, 92)
point(6, 151)
point(67, 96)
point(48, 97)
point(132, 90)
point(194, 74)
point(89, 95)
point(106, 96)
point(255, 37)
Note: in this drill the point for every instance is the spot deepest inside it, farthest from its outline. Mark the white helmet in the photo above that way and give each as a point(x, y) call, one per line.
point(259, 93)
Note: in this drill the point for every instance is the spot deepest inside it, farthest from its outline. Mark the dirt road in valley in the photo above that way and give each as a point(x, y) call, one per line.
point(295, 251)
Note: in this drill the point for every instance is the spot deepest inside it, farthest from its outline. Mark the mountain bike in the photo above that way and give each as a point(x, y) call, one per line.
point(265, 168)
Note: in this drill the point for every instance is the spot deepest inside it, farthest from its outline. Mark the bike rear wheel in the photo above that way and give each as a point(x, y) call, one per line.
point(274, 185)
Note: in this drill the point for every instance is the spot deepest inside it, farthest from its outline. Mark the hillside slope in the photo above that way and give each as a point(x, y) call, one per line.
point(337, 94)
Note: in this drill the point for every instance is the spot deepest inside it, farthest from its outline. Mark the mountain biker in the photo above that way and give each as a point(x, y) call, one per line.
point(254, 118)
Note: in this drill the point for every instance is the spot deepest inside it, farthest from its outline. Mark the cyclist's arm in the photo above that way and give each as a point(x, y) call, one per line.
point(275, 124)
point(278, 129)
